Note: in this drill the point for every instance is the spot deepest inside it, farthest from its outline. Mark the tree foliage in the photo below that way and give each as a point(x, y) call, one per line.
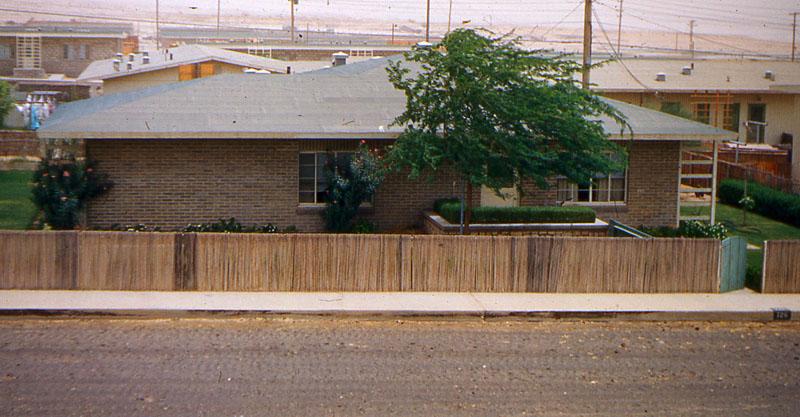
point(6, 101)
point(351, 182)
point(61, 189)
point(498, 114)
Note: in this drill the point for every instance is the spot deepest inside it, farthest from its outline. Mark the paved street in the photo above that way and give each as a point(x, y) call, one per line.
point(315, 367)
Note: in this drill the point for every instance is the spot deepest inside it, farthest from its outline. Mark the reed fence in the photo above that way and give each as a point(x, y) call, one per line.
point(781, 266)
point(328, 262)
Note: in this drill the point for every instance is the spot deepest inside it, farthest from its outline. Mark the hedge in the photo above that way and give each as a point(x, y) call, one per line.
point(770, 202)
point(450, 209)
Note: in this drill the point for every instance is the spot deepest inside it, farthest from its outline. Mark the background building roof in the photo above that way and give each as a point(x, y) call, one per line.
point(708, 75)
point(180, 55)
point(349, 101)
point(68, 29)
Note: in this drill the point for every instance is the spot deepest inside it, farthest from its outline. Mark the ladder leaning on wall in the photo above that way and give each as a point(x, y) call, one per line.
point(702, 184)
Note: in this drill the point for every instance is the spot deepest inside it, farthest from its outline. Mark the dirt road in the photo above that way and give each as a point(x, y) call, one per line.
point(318, 367)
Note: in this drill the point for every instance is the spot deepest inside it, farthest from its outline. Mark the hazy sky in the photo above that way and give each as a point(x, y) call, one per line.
point(757, 18)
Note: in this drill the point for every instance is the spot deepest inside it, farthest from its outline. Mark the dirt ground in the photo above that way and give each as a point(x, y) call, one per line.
point(255, 366)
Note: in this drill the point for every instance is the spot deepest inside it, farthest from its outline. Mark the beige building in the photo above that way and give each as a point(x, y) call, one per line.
point(141, 70)
point(759, 99)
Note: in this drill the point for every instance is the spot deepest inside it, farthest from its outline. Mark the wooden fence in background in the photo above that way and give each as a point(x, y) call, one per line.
point(781, 266)
point(327, 262)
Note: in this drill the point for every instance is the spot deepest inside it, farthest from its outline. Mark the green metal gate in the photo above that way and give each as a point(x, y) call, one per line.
point(733, 267)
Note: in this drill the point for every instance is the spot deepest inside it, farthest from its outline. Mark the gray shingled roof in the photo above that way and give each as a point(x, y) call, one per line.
point(350, 101)
point(186, 54)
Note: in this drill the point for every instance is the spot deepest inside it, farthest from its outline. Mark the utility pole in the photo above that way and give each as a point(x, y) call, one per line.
point(449, 15)
point(291, 5)
point(691, 38)
point(587, 42)
point(794, 31)
point(619, 28)
point(393, 26)
point(218, 4)
point(158, 32)
point(428, 21)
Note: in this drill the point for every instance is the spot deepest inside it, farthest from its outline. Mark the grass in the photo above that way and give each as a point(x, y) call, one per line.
point(756, 230)
point(16, 208)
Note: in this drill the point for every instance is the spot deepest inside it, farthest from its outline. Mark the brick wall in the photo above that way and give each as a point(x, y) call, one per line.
point(169, 183)
point(7, 65)
point(652, 194)
point(20, 143)
point(53, 60)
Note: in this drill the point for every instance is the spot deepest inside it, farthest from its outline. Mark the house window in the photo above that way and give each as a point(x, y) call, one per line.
point(75, 52)
point(600, 189)
point(756, 122)
point(5, 52)
point(702, 112)
point(313, 183)
point(730, 116)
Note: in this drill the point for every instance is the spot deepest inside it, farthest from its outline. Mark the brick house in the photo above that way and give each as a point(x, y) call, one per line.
point(38, 48)
point(250, 146)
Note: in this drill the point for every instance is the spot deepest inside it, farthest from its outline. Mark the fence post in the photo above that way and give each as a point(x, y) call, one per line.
point(66, 262)
point(184, 261)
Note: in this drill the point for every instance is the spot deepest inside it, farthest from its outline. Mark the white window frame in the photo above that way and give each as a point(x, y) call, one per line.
point(317, 174)
point(573, 190)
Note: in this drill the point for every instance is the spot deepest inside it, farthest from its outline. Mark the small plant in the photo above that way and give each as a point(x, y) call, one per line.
point(134, 228)
point(703, 230)
point(747, 204)
point(230, 225)
point(61, 189)
point(364, 226)
point(351, 182)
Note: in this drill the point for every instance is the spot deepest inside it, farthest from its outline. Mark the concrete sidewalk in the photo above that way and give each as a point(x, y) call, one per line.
point(737, 305)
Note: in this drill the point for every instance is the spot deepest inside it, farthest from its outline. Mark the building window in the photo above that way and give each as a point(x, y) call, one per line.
point(5, 52)
point(702, 112)
point(730, 116)
point(313, 184)
point(756, 122)
point(601, 189)
point(75, 52)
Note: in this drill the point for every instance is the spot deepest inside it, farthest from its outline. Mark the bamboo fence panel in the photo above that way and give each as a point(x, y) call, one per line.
point(347, 263)
point(781, 266)
point(317, 262)
point(126, 261)
point(244, 262)
point(37, 260)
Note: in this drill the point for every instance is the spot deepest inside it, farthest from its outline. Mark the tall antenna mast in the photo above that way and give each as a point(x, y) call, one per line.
point(428, 21)
point(794, 31)
point(691, 38)
point(587, 42)
point(619, 28)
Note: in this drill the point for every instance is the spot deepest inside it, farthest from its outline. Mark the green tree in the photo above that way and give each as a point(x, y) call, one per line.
point(352, 180)
point(498, 115)
point(61, 189)
point(6, 101)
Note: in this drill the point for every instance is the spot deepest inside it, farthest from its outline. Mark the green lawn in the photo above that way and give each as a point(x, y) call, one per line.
point(16, 208)
point(756, 230)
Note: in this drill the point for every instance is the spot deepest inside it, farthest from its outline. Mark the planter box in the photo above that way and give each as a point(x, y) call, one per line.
point(435, 224)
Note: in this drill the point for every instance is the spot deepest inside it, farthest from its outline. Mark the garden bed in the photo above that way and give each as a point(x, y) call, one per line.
point(435, 224)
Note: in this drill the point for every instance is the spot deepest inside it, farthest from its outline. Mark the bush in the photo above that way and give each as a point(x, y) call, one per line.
point(691, 229)
point(769, 202)
point(350, 183)
point(451, 210)
point(228, 226)
point(61, 189)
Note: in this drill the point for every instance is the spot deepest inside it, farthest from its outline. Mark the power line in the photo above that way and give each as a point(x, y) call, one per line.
point(618, 55)
point(562, 19)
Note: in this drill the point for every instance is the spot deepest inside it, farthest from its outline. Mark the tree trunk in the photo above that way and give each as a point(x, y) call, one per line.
point(468, 213)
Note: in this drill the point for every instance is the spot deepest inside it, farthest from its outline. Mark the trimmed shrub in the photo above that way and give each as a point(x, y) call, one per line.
point(769, 202)
point(451, 210)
